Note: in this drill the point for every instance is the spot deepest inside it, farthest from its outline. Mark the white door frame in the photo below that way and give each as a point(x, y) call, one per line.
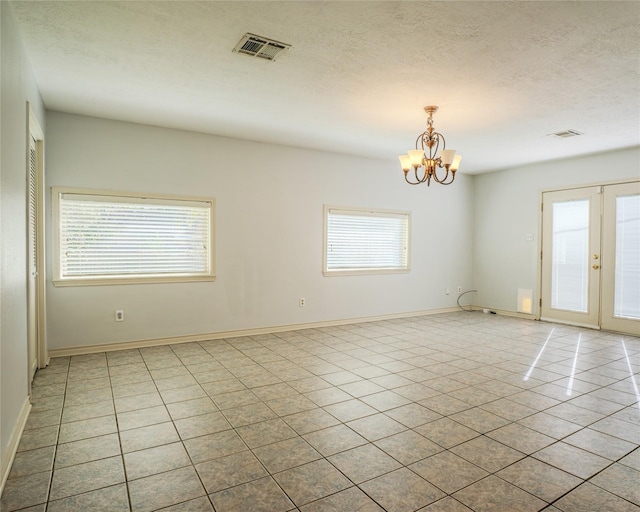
point(35, 131)
point(538, 309)
point(608, 320)
point(591, 316)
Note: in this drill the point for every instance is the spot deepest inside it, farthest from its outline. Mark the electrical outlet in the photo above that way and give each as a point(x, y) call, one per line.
point(459, 289)
point(446, 291)
point(119, 315)
point(302, 302)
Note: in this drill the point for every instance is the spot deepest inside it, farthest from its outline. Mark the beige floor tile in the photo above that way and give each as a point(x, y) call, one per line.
point(286, 454)
point(446, 432)
point(448, 504)
point(448, 472)
point(546, 482)
point(376, 426)
point(155, 460)
point(32, 461)
point(142, 417)
point(266, 432)
point(85, 429)
point(364, 463)
point(620, 480)
point(213, 446)
point(310, 421)
point(600, 443)
point(412, 415)
point(490, 455)
point(147, 437)
point(25, 491)
point(401, 491)
point(86, 477)
point(201, 425)
point(591, 497)
point(521, 438)
point(491, 494)
point(87, 450)
point(229, 471)
point(262, 495)
point(349, 499)
point(312, 481)
point(165, 489)
point(408, 447)
point(572, 459)
point(332, 440)
point(479, 420)
point(112, 498)
point(350, 410)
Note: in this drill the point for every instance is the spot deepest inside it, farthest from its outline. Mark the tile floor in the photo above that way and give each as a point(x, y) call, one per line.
point(451, 412)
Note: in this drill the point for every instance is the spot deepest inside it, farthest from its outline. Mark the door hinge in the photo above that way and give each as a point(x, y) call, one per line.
point(540, 302)
point(541, 207)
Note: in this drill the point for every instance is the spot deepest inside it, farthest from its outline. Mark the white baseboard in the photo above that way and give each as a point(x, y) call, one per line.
point(574, 324)
point(504, 312)
point(12, 447)
point(124, 345)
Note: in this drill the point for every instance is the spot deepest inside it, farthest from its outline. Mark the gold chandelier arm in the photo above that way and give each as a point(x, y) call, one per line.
point(418, 181)
point(444, 181)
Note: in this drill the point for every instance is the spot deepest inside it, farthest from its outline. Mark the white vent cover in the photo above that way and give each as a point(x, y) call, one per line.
point(566, 134)
point(262, 47)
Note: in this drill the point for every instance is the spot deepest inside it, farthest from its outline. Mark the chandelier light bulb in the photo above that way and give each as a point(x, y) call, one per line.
point(456, 163)
point(416, 156)
point(405, 162)
point(447, 156)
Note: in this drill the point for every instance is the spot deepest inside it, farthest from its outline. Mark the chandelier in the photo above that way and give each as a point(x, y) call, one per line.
point(426, 162)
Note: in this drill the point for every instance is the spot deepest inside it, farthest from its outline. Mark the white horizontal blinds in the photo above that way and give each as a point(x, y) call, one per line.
point(123, 236)
point(366, 240)
point(627, 270)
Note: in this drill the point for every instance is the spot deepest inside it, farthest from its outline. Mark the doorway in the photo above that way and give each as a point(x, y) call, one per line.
point(591, 257)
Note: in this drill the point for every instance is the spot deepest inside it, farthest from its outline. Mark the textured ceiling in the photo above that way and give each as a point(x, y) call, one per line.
point(505, 74)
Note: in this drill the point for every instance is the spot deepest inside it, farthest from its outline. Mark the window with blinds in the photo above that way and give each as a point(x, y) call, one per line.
point(105, 237)
point(361, 241)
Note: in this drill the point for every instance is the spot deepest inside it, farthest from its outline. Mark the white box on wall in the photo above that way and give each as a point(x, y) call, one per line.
point(525, 301)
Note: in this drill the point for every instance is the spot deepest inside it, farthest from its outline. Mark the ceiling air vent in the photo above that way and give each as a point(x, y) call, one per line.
point(262, 47)
point(566, 134)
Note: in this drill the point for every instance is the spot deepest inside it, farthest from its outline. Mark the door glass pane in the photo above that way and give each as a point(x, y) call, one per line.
point(627, 281)
point(570, 258)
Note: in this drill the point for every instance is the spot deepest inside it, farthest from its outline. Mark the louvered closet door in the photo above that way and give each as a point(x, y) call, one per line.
point(32, 258)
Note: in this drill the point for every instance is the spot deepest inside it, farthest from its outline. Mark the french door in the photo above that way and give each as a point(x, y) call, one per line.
point(591, 257)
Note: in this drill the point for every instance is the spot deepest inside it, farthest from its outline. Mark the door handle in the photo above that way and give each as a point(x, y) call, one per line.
point(596, 267)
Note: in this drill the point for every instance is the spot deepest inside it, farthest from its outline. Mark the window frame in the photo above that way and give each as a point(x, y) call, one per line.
point(359, 211)
point(60, 280)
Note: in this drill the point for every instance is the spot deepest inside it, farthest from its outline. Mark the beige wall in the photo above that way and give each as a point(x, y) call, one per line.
point(507, 208)
point(269, 233)
point(18, 86)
